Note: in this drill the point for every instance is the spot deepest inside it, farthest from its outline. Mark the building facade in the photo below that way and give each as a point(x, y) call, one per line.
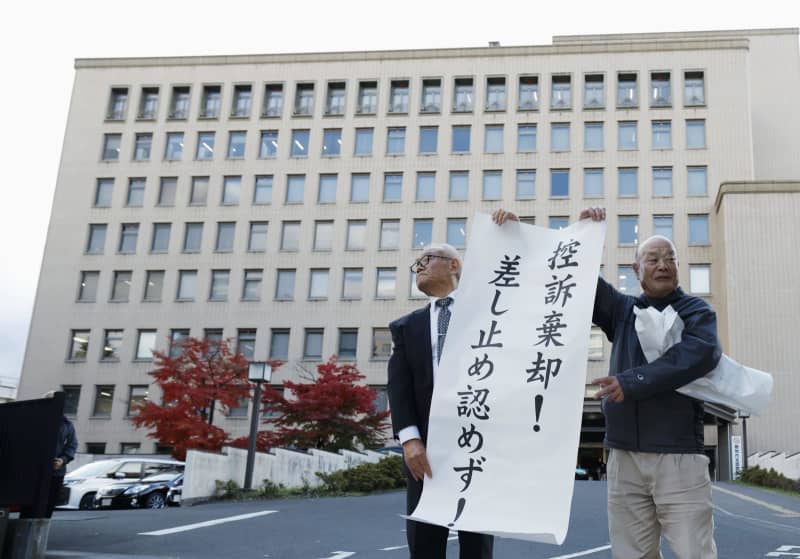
point(278, 200)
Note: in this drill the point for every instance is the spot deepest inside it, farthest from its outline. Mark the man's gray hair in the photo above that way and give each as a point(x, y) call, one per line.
point(643, 244)
point(444, 249)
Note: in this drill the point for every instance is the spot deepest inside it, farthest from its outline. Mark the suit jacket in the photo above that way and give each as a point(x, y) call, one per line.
point(410, 385)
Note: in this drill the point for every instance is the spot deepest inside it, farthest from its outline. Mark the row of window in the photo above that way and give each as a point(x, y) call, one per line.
point(332, 144)
point(464, 96)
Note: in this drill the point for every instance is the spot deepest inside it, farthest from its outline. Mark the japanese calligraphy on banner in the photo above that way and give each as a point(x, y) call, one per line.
point(508, 399)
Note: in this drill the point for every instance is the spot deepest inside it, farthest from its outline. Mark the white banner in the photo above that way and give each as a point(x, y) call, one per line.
point(736, 455)
point(508, 399)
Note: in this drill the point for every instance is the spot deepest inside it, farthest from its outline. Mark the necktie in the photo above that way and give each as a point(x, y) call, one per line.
point(443, 322)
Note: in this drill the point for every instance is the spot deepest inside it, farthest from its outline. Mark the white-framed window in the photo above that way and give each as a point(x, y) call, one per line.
point(700, 279)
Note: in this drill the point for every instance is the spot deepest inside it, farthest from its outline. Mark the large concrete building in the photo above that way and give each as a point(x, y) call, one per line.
point(279, 200)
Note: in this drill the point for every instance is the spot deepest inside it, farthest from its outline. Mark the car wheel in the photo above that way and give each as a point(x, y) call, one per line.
point(155, 501)
point(87, 502)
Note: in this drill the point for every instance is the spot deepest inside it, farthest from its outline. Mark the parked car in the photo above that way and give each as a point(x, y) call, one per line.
point(154, 492)
point(581, 473)
point(82, 485)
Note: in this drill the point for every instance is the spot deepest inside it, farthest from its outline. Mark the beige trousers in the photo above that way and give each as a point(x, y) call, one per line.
point(652, 495)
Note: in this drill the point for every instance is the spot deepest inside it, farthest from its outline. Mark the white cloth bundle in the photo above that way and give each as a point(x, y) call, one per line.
point(730, 383)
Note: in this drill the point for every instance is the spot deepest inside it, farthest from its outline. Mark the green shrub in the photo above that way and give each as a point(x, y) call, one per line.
point(365, 478)
point(769, 478)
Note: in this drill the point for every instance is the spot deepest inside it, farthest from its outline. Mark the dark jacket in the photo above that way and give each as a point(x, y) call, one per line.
point(653, 417)
point(66, 445)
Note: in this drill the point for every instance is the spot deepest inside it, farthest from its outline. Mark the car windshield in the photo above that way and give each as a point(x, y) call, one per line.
point(169, 476)
point(94, 469)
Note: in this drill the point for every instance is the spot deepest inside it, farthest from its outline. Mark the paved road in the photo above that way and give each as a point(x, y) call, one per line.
point(750, 523)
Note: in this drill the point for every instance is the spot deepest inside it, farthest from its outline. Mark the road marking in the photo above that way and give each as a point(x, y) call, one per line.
point(207, 523)
point(768, 523)
point(776, 508)
point(582, 553)
point(340, 555)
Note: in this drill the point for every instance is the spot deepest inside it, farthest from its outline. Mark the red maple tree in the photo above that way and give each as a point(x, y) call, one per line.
point(204, 375)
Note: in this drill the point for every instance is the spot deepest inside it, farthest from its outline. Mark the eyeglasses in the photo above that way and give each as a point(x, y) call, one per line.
point(423, 261)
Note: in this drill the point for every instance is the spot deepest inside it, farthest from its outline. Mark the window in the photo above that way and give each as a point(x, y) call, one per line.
point(462, 95)
point(273, 100)
point(269, 144)
point(528, 93)
point(593, 136)
point(117, 103)
point(87, 290)
point(561, 92)
point(334, 102)
point(137, 396)
point(526, 138)
point(596, 336)
point(192, 237)
point(236, 143)
point(698, 230)
point(457, 232)
point(179, 107)
point(141, 146)
point(386, 283)
point(95, 448)
point(496, 94)
point(332, 142)
point(660, 89)
point(72, 395)
point(493, 140)
point(212, 98)
point(381, 343)
point(559, 136)
point(356, 234)
point(257, 240)
point(662, 182)
point(290, 236)
point(111, 144)
point(177, 337)
point(231, 190)
point(431, 96)
point(304, 99)
point(220, 280)
point(559, 183)
point(627, 136)
point(352, 282)
point(153, 285)
point(112, 342)
point(284, 285)
point(693, 89)
point(79, 345)
point(662, 134)
point(213, 335)
point(318, 283)
point(695, 134)
point(526, 184)
point(205, 146)
point(135, 197)
point(299, 143)
point(492, 185)
point(242, 99)
point(174, 148)
point(398, 96)
point(628, 230)
point(121, 286)
point(327, 189)
point(393, 187)
point(363, 141)
point(557, 222)
point(148, 103)
point(593, 183)
point(627, 90)
point(103, 399)
point(246, 343)
point(295, 185)
point(426, 187)
point(594, 96)
point(187, 284)
point(279, 344)
point(262, 190)
point(160, 240)
point(367, 98)
point(390, 234)
point(167, 191)
point(348, 343)
point(459, 185)
point(359, 187)
point(628, 182)
point(413, 290)
point(423, 233)
point(95, 243)
point(461, 139)
point(662, 225)
point(627, 282)
point(103, 192)
point(312, 345)
point(127, 238)
point(145, 345)
point(700, 279)
point(251, 286)
point(198, 195)
point(395, 141)
point(323, 236)
point(428, 139)
point(697, 181)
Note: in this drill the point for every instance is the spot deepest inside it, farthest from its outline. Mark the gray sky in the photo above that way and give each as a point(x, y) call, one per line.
point(40, 40)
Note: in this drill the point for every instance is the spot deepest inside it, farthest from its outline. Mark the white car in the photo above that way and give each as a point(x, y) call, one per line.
point(81, 486)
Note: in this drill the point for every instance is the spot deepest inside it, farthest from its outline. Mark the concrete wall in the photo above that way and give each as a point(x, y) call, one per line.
point(788, 465)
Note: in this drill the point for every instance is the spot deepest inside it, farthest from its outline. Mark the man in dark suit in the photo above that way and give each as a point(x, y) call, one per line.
point(418, 341)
